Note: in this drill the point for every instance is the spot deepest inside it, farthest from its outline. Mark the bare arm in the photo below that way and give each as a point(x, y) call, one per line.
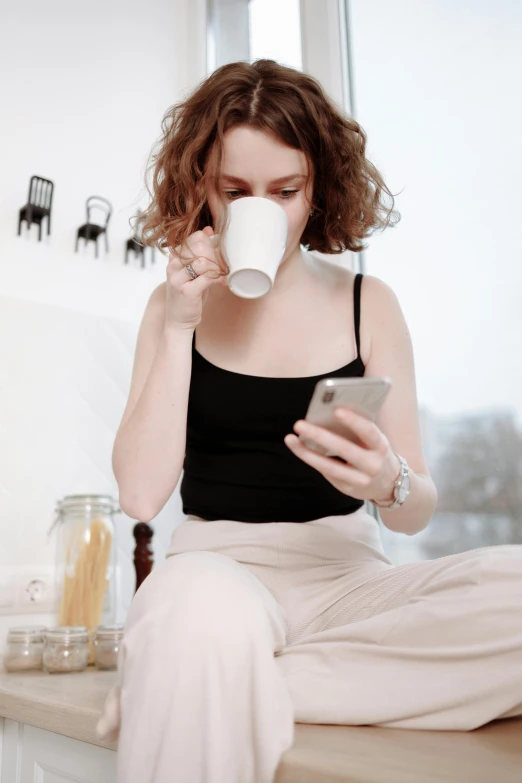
point(149, 448)
point(391, 354)
point(371, 466)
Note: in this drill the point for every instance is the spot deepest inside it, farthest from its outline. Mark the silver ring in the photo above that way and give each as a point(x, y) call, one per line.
point(191, 272)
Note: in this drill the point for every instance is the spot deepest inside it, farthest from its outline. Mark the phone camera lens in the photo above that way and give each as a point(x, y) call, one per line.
point(328, 396)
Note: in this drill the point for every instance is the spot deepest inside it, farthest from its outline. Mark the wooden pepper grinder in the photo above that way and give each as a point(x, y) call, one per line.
point(143, 555)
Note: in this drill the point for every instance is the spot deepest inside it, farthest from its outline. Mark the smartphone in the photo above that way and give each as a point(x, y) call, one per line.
point(363, 395)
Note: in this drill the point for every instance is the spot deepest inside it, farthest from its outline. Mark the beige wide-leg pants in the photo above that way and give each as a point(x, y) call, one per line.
point(246, 628)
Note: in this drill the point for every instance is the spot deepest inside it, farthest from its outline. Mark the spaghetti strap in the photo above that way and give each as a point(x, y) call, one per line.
point(357, 310)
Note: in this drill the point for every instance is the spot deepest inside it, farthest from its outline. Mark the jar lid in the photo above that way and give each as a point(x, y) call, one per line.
point(88, 502)
point(84, 504)
point(109, 632)
point(67, 634)
point(26, 633)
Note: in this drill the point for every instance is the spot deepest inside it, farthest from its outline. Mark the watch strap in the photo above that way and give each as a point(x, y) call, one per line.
point(404, 471)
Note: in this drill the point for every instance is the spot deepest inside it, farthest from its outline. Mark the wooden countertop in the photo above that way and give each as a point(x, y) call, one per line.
point(70, 704)
point(370, 754)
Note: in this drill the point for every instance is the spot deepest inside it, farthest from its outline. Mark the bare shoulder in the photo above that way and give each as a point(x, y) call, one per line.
point(330, 272)
point(378, 299)
point(379, 304)
point(384, 320)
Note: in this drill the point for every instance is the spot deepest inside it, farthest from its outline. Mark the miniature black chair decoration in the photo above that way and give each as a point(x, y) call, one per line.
point(91, 231)
point(135, 243)
point(39, 203)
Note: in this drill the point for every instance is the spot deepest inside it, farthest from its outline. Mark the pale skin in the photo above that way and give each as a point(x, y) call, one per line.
point(303, 326)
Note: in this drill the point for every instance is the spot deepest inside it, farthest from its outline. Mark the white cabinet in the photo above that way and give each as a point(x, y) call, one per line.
point(31, 755)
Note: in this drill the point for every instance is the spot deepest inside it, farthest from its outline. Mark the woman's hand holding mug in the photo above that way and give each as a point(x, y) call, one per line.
point(186, 293)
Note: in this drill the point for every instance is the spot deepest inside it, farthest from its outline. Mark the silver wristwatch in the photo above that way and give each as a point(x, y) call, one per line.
point(401, 488)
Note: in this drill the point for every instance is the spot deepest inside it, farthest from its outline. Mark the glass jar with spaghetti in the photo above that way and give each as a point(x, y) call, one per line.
point(85, 561)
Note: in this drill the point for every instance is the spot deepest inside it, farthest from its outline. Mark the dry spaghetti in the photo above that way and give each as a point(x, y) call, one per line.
point(87, 554)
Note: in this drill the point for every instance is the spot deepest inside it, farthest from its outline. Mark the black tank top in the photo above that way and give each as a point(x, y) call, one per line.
point(237, 465)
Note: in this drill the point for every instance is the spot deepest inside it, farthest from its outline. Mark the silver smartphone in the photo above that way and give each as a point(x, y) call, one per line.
point(363, 395)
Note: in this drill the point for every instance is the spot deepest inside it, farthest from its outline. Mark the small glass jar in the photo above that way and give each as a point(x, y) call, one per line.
point(107, 642)
point(66, 649)
point(24, 648)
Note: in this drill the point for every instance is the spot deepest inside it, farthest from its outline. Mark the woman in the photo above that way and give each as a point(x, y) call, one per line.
point(276, 603)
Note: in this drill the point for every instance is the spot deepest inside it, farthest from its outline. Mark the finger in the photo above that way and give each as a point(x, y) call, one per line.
point(203, 266)
point(199, 265)
point(200, 284)
point(200, 251)
point(177, 259)
point(328, 467)
point(198, 245)
point(367, 431)
point(365, 460)
point(209, 231)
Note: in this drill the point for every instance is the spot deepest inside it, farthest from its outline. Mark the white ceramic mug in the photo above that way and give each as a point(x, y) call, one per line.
point(254, 243)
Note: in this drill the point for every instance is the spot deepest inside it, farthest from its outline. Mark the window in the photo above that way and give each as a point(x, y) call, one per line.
point(254, 29)
point(275, 31)
point(437, 90)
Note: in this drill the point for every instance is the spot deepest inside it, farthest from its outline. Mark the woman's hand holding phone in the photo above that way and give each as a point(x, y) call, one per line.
point(369, 470)
point(186, 296)
point(345, 445)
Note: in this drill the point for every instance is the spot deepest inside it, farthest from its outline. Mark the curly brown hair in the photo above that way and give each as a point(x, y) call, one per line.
point(348, 191)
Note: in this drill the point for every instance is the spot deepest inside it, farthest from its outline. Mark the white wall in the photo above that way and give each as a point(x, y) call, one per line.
point(86, 91)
